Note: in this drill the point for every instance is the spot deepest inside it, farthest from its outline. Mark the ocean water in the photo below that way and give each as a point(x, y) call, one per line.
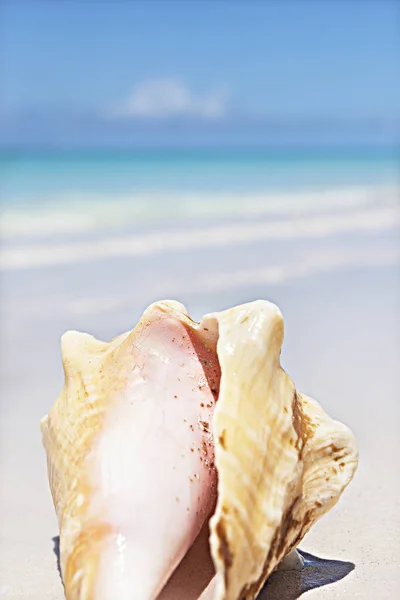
point(81, 190)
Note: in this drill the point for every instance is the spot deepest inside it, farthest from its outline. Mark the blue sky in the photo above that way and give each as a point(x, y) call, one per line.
point(127, 71)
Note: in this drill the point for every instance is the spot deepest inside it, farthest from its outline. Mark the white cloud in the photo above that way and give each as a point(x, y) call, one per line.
point(163, 98)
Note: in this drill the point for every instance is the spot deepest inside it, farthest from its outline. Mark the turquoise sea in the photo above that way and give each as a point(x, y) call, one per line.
point(101, 188)
point(47, 176)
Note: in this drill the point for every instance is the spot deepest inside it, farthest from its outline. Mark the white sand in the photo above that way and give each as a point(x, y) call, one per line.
point(368, 221)
point(339, 294)
point(95, 213)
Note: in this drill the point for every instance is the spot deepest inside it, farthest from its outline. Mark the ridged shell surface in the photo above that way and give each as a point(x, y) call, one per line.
point(172, 421)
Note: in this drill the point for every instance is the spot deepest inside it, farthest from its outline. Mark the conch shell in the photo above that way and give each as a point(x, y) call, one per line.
point(175, 421)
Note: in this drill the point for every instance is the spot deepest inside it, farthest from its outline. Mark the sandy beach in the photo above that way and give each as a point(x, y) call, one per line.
point(215, 154)
point(335, 278)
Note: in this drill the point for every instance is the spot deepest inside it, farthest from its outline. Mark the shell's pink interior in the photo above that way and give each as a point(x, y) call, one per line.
point(160, 437)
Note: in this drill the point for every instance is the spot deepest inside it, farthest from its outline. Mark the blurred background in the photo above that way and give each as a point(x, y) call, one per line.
point(119, 113)
point(213, 152)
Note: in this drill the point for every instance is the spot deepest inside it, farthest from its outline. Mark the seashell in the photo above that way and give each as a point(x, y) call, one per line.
point(175, 421)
